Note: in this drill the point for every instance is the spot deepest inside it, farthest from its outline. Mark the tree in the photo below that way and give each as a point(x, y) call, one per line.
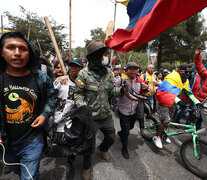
point(97, 33)
point(79, 52)
point(33, 27)
point(179, 42)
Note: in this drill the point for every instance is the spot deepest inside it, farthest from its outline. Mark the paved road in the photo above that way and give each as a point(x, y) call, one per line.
point(146, 162)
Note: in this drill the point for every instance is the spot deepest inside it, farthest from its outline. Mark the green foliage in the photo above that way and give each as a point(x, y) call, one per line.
point(33, 27)
point(168, 65)
point(80, 52)
point(179, 42)
point(97, 33)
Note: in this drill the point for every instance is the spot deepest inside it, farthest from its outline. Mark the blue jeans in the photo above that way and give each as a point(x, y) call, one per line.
point(29, 154)
point(115, 102)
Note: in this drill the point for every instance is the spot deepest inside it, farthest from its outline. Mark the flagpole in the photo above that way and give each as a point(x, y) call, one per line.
point(2, 28)
point(70, 55)
point(112, 51)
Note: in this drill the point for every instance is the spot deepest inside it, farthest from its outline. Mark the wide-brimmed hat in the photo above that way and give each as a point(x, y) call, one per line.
point(95, 46)
point(76, 61)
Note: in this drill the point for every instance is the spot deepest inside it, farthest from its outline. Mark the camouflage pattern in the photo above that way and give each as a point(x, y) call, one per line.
point(95, 91)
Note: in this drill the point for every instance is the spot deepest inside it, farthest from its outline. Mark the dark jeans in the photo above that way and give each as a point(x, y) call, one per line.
point(106, 126)
point(126, 123)
point(140, 113)
point(180, 112)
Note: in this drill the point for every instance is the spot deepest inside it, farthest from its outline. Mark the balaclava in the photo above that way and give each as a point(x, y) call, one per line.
point(94, 62)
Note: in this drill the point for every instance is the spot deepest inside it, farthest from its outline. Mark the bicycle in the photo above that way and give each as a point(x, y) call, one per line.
point(193, 151)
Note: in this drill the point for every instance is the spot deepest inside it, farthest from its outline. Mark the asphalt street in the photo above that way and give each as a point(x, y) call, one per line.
point(146, 162)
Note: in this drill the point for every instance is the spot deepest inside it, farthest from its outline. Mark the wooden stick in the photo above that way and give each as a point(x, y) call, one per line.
point(70, 52)
point(55, 45)
point(39, 47)
point(2, 27)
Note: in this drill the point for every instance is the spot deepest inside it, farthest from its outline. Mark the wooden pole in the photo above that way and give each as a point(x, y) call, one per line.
point(2, 27)
point(55, 45)
point(112, 51)
point(39, 47)
point(28, 35)
point(70, 55)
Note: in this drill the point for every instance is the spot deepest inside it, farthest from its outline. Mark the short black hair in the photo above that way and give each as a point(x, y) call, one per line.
point(183, 67)
point(56, 64)
point(11, 35)
point(32, 59)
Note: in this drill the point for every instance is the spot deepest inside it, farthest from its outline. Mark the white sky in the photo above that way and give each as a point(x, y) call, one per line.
point(86, 14)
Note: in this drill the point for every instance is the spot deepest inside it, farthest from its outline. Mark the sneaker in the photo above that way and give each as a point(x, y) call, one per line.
point(157, 141)
point(86, 174)
point(104, 155)
point(125, 153)
point(168, 140)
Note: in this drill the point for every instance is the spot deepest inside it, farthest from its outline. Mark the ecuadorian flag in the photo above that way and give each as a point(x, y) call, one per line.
point(170, 88)
point(148, 18)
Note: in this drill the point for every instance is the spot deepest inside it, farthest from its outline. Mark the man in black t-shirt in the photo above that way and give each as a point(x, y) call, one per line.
point(27, 99)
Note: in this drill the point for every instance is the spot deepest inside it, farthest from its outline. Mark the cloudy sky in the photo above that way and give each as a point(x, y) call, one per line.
point(86, 14)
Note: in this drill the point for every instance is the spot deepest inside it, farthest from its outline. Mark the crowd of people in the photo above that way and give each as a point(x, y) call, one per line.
point(38, 102)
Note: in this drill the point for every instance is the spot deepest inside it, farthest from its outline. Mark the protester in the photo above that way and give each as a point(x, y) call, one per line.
point(127, 109)
point(175, 84)
point(194, 82)
point(165, 73)
point(150, 79)
point(84, 61)
point(95, 83)
point(27, 101)
point(114, 100)
point(202, 93)
point(45, 66)
point(65, 105)
point(159, 77)
point(57, 69)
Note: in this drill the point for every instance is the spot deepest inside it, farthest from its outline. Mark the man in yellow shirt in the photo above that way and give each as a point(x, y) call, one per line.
point(150, 79)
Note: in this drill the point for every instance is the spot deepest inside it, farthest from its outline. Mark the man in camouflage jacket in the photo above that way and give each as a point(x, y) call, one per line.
point(95, 83)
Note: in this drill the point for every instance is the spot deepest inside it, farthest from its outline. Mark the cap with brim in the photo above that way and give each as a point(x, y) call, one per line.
point(95, 46)
point(131, 64)
point(76, 61)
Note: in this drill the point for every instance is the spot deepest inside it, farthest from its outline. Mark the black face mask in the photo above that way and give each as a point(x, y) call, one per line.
point(94, 63)
point(184, 77)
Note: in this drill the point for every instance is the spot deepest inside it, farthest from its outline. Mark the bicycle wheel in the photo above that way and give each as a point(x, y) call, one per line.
point(196, 165)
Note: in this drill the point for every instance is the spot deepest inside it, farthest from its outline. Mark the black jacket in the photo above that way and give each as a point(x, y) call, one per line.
point(78, 139)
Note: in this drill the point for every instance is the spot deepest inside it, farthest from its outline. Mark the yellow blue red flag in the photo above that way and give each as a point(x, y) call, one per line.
point(168, 90)
point(148, 18)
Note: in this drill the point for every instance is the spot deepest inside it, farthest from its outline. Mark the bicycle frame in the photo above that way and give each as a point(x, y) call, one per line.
point(188, 129)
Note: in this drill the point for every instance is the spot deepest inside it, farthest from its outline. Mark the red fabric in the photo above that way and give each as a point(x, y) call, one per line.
point(164, 14)
point(165, 98)
point(139, 79)
point(202, 94)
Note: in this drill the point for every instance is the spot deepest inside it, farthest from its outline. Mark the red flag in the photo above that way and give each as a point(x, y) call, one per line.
point(148, 18)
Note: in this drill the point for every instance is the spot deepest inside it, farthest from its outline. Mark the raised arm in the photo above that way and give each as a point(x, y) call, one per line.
point(199, 64)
